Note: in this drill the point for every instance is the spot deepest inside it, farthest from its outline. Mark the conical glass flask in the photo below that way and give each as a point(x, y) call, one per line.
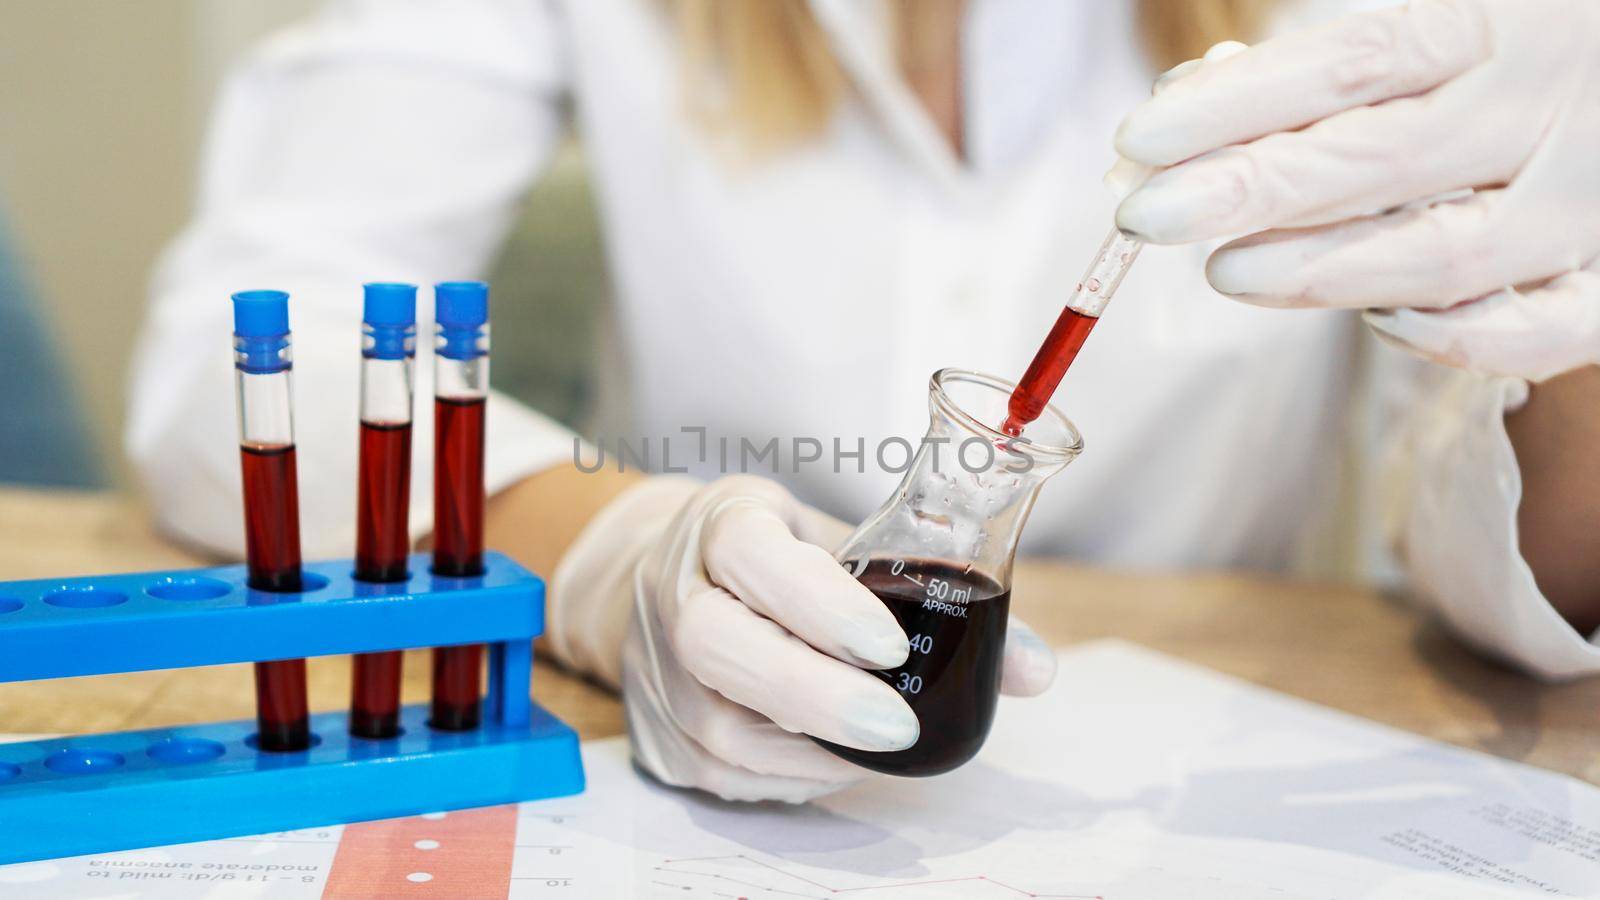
point(939, 555)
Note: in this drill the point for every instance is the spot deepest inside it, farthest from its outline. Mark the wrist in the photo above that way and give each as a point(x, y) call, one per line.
point(590, 589)
point(538, 518)
point(1558, 520)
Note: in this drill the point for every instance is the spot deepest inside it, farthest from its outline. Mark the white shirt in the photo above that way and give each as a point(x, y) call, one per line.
point(811, 295)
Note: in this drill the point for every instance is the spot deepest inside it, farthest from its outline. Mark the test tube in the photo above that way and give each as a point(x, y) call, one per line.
point(383, 492)
point(262, 370)
point(461, 390)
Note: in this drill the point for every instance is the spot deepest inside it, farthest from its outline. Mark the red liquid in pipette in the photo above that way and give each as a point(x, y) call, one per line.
point(382, 498)
point(457, 549)
point(1044, 374)
point(1088, 301)
point(272, 549)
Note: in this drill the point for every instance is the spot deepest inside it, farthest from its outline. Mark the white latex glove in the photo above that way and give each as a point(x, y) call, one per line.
point(742, 636)
point(1435, 163)
point(1127, 176)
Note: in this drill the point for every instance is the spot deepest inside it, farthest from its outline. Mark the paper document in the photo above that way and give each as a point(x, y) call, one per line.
point(1137, 777)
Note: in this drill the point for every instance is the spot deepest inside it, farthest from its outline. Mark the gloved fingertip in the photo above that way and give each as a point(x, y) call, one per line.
point(1030, 663)
point(881, 722)
point(876, 650)
point(1227, 272)
point(1144, 214)
point(1223, 50)
point(1124, 177)
point(1125, 223)
point(1262, 273)
point(1158, 132)
point(1133, 141)
point(1178, 71)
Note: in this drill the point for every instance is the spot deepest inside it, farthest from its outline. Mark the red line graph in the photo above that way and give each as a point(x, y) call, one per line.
point(670, 866)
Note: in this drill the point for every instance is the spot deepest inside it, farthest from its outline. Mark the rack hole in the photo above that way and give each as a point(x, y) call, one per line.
point(398, 732)
point(8, 772)
point(396, 584)
point(310, 582)
point(9, 604)
point(83, 762)
point(185, 750)
point(254, 743)
point(85, 597)
point(188, 589)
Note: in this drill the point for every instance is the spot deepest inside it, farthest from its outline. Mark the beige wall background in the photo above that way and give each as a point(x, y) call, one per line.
point(102, 103)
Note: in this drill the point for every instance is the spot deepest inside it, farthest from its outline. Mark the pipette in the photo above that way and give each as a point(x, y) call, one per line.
point(1105, 274)
point(1066, 338)
point(1112, 262)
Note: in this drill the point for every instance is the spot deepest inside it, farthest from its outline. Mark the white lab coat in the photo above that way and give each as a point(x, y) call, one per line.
point(811, 295)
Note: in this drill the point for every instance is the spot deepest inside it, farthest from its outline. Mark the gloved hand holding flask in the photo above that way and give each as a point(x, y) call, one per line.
point(741, 637)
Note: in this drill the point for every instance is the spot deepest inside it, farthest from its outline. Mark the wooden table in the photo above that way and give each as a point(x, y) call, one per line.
point(1342, 647)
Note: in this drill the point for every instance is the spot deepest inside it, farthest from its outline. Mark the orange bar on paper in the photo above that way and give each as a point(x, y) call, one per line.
point(465, 853)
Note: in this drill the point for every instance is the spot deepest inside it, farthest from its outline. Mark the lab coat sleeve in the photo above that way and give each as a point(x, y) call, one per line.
point(379, 141)
point(1458, 528)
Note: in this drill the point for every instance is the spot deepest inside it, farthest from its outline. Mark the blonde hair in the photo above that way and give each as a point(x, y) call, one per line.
point(764, 69)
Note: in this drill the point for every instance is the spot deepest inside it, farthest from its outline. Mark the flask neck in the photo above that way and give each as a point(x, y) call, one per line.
point(967, 493)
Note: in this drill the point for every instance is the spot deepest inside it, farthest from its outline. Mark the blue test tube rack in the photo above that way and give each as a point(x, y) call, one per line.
point(104, 792)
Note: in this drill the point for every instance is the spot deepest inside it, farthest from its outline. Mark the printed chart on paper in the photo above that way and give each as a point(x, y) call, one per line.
point(1137, 776)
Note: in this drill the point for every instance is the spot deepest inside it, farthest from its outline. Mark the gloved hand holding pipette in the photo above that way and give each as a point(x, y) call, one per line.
point(1434, 164)
point(742, 636)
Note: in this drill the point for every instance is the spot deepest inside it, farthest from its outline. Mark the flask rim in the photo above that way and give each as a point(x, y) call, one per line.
point(948, 405)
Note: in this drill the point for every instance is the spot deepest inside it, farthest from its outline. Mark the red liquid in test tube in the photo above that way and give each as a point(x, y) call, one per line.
point(384, 497)
point(458, 548)
point(381, 543)
point(272, 541)
point(383, 488)
point(271, 516)
point(271, 499)
point(461, 366)
point(458, 486)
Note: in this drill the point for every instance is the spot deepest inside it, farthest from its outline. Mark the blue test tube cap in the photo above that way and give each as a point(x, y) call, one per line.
point(261, 332)
point(260, 314)
point(461, 304)
point(462, 310)
point(389, 312)
point(389, 304)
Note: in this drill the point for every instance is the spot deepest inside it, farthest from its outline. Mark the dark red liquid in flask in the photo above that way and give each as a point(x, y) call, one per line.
point(956, 622)
point(272, 549)
point(458, 494)
point(1049, 365)
point(382, 500)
